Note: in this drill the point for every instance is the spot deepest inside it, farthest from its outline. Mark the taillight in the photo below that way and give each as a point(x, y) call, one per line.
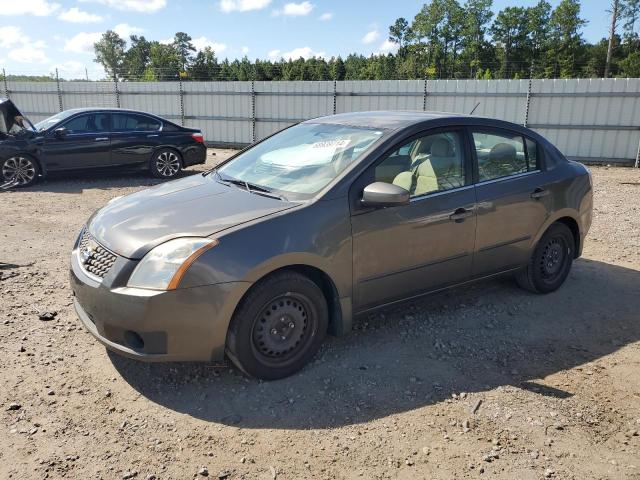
point(198, 137)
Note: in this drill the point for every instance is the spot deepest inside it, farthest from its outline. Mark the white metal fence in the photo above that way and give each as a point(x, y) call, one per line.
point(592, 120)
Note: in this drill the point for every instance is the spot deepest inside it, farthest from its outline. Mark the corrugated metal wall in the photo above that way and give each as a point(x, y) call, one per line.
point(588, 119)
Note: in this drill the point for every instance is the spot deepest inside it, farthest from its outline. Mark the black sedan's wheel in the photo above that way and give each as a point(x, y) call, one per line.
point(21, 170)
point(278, 327)
point(165, 164)
point(551, 261)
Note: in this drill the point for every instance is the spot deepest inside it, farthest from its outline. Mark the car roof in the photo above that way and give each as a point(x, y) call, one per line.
point(385, 119)
point(108, 109)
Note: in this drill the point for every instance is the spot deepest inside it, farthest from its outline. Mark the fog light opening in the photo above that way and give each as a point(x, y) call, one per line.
point(133, 340)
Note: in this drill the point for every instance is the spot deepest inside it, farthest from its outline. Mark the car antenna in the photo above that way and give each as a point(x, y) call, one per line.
point(474, 108)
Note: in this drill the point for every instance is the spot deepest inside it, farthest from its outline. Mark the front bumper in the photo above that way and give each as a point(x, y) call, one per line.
point(178, 325)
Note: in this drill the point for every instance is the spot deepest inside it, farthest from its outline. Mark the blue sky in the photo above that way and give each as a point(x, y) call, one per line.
point(37, 36)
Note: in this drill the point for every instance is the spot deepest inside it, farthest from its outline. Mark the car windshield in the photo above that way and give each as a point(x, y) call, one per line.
point(299, 161)
point(51, 121)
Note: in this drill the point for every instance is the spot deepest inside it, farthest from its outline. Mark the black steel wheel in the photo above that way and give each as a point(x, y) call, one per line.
point(551, 261)
point(278, 327)
point(20, 171)
point(165, 164)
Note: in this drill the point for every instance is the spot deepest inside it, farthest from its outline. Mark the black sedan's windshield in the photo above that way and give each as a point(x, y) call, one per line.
point(51, 121)
point(299, 161)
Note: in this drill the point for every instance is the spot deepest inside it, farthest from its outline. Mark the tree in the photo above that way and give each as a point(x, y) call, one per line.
point(109, 51)
point(136, 59)
point(183, 46)
point(204, 66)
point(566, 39)
point(477, 15)
point(398, 31)
point(510, 30)
point(164, 61)
point(538, 34)
point(615, 16)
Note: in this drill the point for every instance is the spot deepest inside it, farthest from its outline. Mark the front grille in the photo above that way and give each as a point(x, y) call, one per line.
point(94, 258)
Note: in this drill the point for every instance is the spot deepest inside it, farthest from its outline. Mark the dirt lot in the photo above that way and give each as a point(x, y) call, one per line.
point(485, 381)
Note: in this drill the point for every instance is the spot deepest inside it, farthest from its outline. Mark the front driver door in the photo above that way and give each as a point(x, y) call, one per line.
point(424, 245)
point(86, 143)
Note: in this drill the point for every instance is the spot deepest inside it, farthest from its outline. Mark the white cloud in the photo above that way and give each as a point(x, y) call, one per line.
point(371, 37)
point(72, 69)
point(244, 50)
point(29, 52)
point(202, 42)
point(166, 41)
point(82, 42)
point(10, 36)
point(39, 8)
point(325, 17)
point(296, 53)
point(142, 6)
point(75, 15)
point(125, 30)
point(243, 5)
point(295, 9)
point(388, 46)
point(21, 48)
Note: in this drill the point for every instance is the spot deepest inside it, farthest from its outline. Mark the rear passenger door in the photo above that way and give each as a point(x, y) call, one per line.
point(134, 137)
point(513, 199)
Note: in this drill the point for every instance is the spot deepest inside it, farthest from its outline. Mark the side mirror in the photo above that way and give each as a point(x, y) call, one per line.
point(60, 132)
point(381, 194)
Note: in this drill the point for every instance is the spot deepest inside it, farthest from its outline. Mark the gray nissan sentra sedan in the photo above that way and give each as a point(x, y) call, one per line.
point(286, 241)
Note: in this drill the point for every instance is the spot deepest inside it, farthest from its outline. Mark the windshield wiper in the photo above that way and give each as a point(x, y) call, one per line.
point(251, 187)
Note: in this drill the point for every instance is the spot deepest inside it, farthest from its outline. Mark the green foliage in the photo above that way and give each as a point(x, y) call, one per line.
point(445, 39)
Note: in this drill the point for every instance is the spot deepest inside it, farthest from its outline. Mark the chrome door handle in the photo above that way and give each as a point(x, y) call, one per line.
point(460, 214)
point(153, 135)
point(101, 138)
point(539, 193)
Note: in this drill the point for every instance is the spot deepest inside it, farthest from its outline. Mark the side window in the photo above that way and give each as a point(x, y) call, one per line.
point(501, 155)
point(427, 164)
point(91, 123)
point(532, 154)
point(131, 122)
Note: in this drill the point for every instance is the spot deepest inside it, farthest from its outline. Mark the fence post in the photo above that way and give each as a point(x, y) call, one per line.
point(335, 95)
point(115, 84)
point(181, 102)
point(424, 95)
point(637, 165)
point(59, 91)
point(253, 111)
point(4, 80)
point(528, 103)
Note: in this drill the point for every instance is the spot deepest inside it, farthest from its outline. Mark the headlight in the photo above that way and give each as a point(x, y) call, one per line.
point(164, 266)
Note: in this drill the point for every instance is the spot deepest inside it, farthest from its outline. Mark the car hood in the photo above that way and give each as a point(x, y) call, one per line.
point(196, 206)
point(10, 116)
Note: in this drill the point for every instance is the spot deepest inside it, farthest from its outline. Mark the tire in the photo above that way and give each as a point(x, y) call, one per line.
point(551, 261)
point(278, 327)
point(20, 168)
point(165, 163)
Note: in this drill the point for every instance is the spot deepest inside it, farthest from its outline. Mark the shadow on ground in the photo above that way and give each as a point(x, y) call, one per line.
point(76, 182)
point(469, 339)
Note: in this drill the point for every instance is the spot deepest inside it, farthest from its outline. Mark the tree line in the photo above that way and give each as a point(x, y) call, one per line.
point(445, 39)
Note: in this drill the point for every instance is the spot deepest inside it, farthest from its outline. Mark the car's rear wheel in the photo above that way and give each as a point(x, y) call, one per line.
point(165, 163)
point(278, 327)
point(551, 261)
point(22, 170)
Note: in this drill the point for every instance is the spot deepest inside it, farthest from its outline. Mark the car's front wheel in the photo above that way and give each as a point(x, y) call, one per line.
point(20, 170)
point(551, 261)
point(278, 327)
point(165, 164)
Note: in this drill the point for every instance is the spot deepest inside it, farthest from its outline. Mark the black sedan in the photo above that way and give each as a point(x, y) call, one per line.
point(93, 138)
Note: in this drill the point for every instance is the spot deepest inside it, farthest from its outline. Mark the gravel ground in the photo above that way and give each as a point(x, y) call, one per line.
point(483, 381)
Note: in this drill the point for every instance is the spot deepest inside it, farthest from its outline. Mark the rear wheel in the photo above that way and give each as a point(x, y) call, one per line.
point(551, 261)
point(22, 170)
point(165, 163)
point(278, 327)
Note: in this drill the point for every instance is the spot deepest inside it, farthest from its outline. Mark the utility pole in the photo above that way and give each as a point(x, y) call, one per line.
point(615, 11)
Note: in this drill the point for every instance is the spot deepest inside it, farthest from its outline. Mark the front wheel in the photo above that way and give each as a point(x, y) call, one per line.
point(20, 170)
point(551, 261)
point(278, 327)
point(165, 164)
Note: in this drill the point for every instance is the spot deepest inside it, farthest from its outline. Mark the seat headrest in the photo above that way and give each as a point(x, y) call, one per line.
point(442, 147)
point(502, 152)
